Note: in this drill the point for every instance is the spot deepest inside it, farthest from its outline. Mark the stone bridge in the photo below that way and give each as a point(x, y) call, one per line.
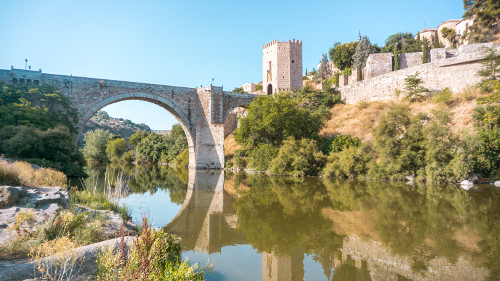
point(200, 111)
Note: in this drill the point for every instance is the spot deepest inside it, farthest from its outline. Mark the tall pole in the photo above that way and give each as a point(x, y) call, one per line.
point(25, 64)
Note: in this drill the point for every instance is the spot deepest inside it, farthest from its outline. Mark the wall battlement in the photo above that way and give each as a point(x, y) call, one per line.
point(452, 68)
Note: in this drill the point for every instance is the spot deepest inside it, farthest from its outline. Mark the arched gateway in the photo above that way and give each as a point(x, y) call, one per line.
point(200, 111)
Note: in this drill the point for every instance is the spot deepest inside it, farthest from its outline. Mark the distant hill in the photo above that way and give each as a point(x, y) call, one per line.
point(119, 126)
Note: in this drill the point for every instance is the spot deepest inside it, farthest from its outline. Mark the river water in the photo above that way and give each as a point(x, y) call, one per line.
point(274, 228)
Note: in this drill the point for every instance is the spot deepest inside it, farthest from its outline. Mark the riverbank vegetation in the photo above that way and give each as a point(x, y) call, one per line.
point(23, 173)
point(36, 125)
point(101, 147)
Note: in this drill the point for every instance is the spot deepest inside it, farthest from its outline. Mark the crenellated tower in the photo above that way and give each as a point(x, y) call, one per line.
point(282, 66)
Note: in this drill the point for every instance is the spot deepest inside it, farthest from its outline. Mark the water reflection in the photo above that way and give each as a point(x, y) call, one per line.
point(351, 230)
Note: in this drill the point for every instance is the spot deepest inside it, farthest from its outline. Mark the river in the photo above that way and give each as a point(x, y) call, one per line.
point(275, 228)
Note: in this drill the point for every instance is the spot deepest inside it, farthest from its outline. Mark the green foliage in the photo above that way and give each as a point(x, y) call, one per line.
point(41, 106)
point(485, 14)
point(182, 160)
point(350, 162)
point(342, 54)
point(154, 255)
point(258, 87)
point(363, 50)
point(445, 96)
point(342, 142)
point(396, 59)
point(137, 137)
point(98, 201)
point(156, 148)
point(298, 158)
point(435, 41)
point(261, 156)
point(414, 88)
point(323, 70)
point(238, 90)
point(272, 119)
point(425, 51)
point(51, 148)
point(403, 42)
point(450, 35)
point(94, 149)
point(490, 70)
point(116, 148)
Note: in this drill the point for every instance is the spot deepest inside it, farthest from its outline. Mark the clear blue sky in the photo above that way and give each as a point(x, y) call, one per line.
point(187, 43)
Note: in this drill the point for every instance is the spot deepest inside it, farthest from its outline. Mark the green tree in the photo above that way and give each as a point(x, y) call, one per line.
point(151, 148)
point(403, 41)
point(414, 88)
point(323, 70)
point(258, 87)
point(238, 90)
point(341, 54)
point(450, 35)
point(396, 59)
point(490, 71)
point(116, 148)
point(137, 137)
point(425, 51)
point(363, 50)
point(435, 41)
point(94, 149)
point(271, 120)
point(486, 14)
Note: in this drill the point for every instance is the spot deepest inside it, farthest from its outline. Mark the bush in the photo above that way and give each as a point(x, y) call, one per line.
point(261, 157)
point(182, 160)
point(116, 148)
point(414, 88)
point(298, 158)
point(154, 255)
point(445, 96)
point(22, 173)
point(351, 162)
point(96, 142)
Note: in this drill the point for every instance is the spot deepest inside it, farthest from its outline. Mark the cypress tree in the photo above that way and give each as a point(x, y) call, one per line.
point(425, 52)
point(418, 42)
point(396, 59)
point(435, 42)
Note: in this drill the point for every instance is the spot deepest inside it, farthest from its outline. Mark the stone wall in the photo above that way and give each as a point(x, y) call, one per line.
point(378, 64)
point(456, 72)
point(410, 59)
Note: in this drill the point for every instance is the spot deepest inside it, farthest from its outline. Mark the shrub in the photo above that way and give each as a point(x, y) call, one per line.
point(94, 149)
point(414, 88)
point(342, 142)
point(349, 163)
point(182, 160)
point(445, 96)
point(154, 255)
point(116, 148)
point(23, 223)
point(298, 158)
point(56, 260)
point(261, 157)
point(22, 173)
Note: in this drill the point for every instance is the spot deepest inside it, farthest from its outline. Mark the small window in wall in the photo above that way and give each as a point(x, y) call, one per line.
point(28, 80)
point(21, 80)
point(292, 61)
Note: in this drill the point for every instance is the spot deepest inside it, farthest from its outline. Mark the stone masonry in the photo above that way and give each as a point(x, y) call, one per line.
point(282, 66)
point(452, 68)
point(201, 112)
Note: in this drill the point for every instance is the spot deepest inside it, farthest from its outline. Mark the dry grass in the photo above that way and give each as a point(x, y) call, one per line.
point(359, 120)
point(22, 173)
point(230, 146)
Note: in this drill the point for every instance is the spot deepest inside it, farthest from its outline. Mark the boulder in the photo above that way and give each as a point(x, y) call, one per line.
point(497, 183)
point(466, 184)
point(10, 195)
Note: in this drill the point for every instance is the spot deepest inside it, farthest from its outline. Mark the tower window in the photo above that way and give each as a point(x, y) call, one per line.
point(292, 61)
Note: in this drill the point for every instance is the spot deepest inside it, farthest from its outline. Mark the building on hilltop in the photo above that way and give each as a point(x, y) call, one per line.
point(248, 87)
point(282, 66)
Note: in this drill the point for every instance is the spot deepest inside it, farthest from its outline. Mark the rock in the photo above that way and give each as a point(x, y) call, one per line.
point(86, 255)
point(497, 183)
point(466, 184)
point(410, 178)
point(10, 195)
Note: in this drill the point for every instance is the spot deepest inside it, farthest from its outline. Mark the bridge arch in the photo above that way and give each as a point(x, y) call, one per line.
point(148, 97)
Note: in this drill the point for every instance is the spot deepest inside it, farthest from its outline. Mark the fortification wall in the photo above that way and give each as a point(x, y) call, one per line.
point(455, 72)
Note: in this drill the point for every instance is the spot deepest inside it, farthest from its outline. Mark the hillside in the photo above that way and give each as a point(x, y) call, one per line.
point(359, 120)
point(119, 126)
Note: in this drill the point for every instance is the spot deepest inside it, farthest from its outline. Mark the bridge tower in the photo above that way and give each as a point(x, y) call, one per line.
point(282, 66)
